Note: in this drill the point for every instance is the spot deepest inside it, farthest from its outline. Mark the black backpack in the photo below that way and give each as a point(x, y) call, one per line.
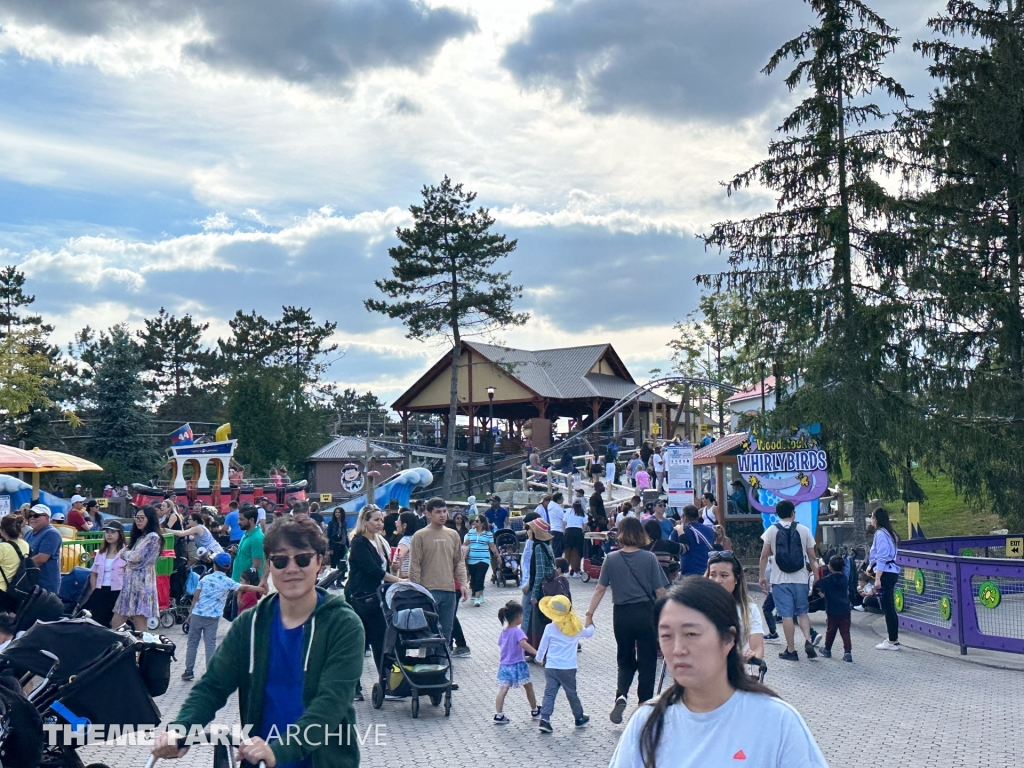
point(789, 549)
point(25, 579)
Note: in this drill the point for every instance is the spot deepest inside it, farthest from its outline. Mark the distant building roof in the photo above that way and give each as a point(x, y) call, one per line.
point(566, 373)
point(754, 391)
point(351, 448)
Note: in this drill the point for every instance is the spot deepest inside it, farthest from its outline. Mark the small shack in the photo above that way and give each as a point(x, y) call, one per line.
point(340, 466)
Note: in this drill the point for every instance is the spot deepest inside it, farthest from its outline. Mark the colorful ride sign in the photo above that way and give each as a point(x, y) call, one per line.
point(791, 468)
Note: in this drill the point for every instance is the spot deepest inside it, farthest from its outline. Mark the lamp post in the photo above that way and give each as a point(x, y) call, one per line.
point(490, 428)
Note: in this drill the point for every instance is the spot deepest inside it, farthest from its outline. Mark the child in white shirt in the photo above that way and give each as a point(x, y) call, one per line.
point(557, 651)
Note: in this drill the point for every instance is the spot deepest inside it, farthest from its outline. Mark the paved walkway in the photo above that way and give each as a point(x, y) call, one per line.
point(908, 709)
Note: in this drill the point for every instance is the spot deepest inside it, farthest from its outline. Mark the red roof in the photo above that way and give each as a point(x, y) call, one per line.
point(754, 391)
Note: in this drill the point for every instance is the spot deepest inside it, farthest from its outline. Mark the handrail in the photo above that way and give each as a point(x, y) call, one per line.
point(622, 402)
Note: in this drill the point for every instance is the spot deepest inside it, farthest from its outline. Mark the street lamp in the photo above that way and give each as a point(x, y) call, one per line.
point(490, 427)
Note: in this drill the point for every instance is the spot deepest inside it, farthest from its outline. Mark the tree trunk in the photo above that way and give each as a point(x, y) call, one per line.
point(453, 412)
point(860, 523)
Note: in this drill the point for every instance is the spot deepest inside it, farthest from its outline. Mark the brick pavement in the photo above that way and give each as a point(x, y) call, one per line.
point(905, 709)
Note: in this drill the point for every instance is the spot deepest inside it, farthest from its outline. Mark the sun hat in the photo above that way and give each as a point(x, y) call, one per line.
point(40, 509)
point(558, 608)
point(223, 559)
point(76, 498)
point(541, 530)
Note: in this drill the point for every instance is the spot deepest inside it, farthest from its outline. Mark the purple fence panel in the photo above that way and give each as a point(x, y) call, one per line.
point(931, 603)
point(993, 604)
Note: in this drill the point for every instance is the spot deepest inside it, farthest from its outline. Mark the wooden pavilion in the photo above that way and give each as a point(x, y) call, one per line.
point(530, 389)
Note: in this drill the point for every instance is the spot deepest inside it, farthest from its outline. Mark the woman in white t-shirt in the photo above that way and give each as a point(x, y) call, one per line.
point(713, 714)
point(725, 569)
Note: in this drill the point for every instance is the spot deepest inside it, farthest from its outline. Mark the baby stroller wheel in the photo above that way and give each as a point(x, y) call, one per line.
point(447, 705)
point(167, 619)
point(501, 580)
point(435, 699)
point(585, 576)
point(377, 696)
point(415, 707)
point(152, 622)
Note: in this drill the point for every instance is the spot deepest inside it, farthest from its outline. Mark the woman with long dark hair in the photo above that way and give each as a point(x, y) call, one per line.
point(337, 536)
point(405, 527)
point(724, 568)
point(457, 522)
point(714, 713)
point(882, 562)
point(107, 577)
point(138, 599)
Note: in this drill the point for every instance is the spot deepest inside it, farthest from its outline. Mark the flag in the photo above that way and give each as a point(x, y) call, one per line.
point(182, 435)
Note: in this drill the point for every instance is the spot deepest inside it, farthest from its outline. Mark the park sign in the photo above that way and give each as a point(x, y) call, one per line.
point(792, 468)
point(679, 468)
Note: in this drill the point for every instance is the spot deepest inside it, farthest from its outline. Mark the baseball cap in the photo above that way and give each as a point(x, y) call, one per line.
point(107, 487)
point(113, 525)
point(76, 498)
point(223, 560)
point(40, 509)
point(57, 517)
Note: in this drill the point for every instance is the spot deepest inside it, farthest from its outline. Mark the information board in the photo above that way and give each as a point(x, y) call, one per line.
point(679, 477)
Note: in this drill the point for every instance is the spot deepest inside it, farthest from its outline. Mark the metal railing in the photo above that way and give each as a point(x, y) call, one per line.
point(968, 601)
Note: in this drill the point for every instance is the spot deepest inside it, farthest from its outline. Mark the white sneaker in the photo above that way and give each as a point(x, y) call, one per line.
point(885, 645)
point(859, 608)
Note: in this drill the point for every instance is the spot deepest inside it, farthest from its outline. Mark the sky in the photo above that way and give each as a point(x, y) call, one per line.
point(213, 155)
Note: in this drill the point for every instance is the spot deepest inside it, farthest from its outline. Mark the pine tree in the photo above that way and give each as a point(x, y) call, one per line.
point(968, 229)
point(301, 344)
point(442, 283)
point(121, 427)
point(821, 269)
point(173, 353)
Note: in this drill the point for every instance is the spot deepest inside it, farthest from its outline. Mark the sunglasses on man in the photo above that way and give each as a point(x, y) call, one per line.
point(302, 560)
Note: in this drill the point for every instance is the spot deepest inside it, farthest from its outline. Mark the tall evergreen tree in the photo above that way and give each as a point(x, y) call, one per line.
point(301, 344)
point(14, 301)
point(121, 427)
point(442, 283)
point(821, 268)
point(174, 355)
point(969, 233)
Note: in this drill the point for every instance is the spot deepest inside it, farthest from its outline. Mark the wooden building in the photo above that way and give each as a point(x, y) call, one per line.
point(339, 466)
point(531, 389)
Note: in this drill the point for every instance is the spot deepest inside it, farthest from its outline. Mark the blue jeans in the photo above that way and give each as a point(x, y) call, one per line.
point(446, 602)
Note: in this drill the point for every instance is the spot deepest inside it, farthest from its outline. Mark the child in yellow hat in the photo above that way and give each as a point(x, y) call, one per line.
point(557, 651)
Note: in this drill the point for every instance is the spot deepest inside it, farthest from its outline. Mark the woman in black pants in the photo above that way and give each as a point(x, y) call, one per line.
point(882, 562)
point(368, 559)
point(637, 581)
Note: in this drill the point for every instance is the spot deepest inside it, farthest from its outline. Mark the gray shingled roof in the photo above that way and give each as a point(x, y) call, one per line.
point(561, 374)
point(351, 447)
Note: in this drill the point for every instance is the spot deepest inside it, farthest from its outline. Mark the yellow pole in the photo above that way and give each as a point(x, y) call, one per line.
point(913, 519)
point(35, 486)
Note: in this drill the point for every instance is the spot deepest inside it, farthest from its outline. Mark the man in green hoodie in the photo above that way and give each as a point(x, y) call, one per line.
point(294, 658)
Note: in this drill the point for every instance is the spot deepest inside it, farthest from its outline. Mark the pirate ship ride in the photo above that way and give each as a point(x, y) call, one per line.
point(190, 461)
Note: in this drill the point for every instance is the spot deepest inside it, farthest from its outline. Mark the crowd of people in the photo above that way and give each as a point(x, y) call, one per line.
point(678, 591)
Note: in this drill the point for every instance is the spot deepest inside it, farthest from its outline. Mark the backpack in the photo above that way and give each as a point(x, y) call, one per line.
point(554, 584)
point(789, 549)
point(25, 579)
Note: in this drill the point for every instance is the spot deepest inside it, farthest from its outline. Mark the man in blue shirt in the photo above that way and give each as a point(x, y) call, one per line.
point(497, 514)
point(44, 543)
point(699, 540)
point(231, 521)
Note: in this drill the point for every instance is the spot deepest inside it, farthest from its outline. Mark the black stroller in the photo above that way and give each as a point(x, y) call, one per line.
point(72, 657)
point(507, 544)
point(415, 658)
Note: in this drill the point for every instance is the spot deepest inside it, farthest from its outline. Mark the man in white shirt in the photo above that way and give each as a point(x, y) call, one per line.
point(556, 521)
point(789, 584)
point(658, 465)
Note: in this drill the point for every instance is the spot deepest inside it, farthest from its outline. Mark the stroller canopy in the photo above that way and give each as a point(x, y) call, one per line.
point(406, 591)
point(78, 643)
